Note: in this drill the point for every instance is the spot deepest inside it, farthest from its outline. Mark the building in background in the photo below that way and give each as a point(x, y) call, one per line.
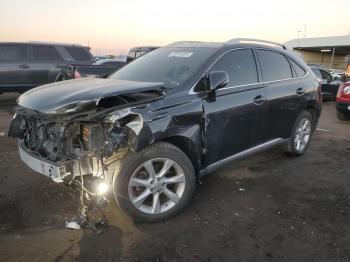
point(331, 52)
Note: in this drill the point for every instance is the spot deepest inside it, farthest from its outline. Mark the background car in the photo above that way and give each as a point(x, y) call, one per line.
point(336, 73)
point(329, 86)
point(136, 52)
point(111, 62)
point(103, 67)
point(27, 65)
point(343, 102)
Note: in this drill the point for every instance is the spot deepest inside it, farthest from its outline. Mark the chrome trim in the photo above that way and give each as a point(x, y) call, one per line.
point(212, 167)
point(229, 87)
point(280, 80)
point(254, 41)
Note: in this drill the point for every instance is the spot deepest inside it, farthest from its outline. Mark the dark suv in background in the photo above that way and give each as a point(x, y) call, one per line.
point(139, 51)
point(152, 128)
point(329, 85)
point(27, 65)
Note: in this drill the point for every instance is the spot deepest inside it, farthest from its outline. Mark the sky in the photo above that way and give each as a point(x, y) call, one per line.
point(114, 26)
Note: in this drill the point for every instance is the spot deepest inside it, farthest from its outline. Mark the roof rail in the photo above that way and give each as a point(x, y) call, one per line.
point(52, 43)
point(254, 41)
point(185, 42)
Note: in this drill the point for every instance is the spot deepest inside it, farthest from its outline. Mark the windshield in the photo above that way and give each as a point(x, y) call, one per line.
point(169, 65)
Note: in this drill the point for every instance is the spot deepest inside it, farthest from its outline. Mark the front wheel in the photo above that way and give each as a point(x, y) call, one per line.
point(155, 183)
point(300, 135)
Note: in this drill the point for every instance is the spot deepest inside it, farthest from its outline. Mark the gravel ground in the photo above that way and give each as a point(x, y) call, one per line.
point(265, 208)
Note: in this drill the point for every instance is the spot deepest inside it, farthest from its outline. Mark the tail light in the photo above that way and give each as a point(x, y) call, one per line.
point(77, 74)
point(344, 91)
point(340, 90)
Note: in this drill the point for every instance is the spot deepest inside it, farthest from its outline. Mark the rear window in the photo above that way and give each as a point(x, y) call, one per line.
point(78, 53)
point(131, 54)
point(274, 65)
point(299, 71)
point(46, 54)
point(13, 53)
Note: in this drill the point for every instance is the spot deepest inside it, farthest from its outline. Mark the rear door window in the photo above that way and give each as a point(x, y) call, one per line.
point(274, 66)
point(78, 53)
point(240, 66)
point(13, 53)
point(46, 54)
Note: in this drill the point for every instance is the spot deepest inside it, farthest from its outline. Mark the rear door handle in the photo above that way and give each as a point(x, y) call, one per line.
point(23, 66)
point(300, 91)
point(259, 100)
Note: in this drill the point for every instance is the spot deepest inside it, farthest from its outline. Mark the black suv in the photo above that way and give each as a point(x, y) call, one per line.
point(178, 113)
point(329, 86)
point(27, 65)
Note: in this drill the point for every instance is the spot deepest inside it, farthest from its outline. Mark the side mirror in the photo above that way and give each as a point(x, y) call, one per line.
point(218, 79)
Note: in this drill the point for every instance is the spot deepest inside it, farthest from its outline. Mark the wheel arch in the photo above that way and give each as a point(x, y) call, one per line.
point(187, 146)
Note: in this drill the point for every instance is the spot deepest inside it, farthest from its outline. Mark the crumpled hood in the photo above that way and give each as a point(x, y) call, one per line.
point(50, 98)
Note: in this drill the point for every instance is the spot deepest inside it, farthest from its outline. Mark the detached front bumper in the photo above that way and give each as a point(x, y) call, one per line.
point(57, 171)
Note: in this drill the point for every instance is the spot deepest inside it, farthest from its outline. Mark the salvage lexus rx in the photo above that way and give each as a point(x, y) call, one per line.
point(175, 114)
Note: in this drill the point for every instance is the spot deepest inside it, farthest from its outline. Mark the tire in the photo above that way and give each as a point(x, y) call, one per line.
point(301, 134)
point(133, 181)
point(342, 116)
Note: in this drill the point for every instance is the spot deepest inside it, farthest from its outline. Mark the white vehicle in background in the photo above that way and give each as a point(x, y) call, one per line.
point(111, 62)
point(336, 73)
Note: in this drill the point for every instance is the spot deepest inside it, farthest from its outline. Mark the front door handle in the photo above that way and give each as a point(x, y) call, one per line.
point(259, 100)
point(23, 66)
point(300, 91)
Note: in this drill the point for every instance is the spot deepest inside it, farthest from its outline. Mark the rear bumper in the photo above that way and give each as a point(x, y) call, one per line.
point(328, 96)
point(57, 171)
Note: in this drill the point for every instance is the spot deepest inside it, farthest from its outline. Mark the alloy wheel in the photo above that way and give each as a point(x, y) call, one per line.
point(157, 185)
point(302, 135)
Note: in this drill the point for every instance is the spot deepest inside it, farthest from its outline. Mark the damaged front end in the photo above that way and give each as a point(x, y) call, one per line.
point(80, 143)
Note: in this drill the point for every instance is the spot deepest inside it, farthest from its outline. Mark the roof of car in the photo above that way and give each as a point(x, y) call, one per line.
point(44, 43)
point(234, 41)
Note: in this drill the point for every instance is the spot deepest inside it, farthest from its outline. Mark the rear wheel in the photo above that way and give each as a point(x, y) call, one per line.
point(155, 183)
point(300, 135)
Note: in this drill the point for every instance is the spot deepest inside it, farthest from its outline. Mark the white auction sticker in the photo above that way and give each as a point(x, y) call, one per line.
point(180, 54)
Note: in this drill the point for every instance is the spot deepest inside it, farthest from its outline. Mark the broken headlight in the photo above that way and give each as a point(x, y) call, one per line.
point(91, 135)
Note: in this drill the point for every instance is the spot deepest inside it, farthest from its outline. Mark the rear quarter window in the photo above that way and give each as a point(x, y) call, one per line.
point(298, 70)
point(274, 66)
point(78, 53)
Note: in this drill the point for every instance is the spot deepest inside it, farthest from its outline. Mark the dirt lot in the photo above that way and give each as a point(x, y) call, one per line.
point(265, 208)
